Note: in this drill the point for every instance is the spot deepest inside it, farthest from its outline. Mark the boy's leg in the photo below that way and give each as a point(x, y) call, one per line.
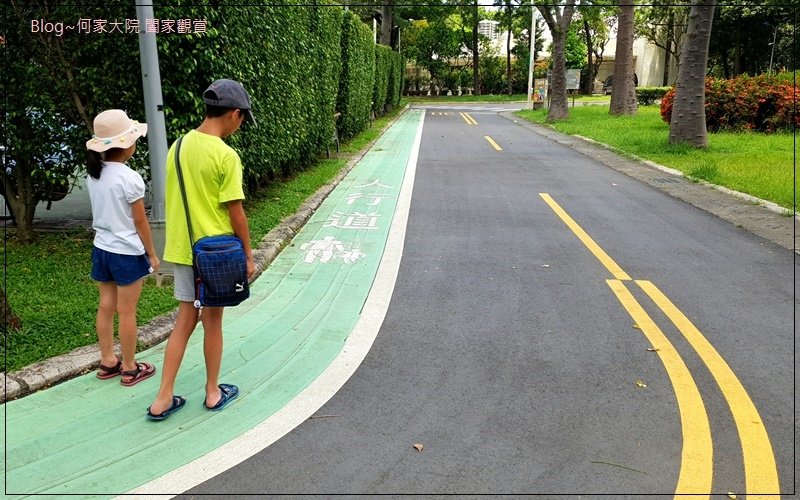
point(212, 350)
point(105, 322)
point(173, 356)
point(127, 299)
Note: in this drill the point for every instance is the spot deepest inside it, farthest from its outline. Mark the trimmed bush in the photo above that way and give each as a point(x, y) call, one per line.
point(383, 56)
point(356, 84)
point(649, 95)
point(761, 103)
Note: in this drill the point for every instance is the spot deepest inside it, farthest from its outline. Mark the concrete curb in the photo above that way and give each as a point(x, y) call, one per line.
point(82, 360)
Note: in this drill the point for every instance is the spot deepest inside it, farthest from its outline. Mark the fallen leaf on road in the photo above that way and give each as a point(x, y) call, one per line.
point(545, 265)
point(652, 349)
point(731, 494)
point(418, 447)
point(636, 326)
point(641, 384)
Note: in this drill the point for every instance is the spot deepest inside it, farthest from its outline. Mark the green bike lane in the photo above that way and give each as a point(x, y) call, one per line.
point(90, 437)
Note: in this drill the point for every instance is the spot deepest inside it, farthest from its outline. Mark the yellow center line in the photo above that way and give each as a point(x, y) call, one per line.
point(761, 473)
point(697, 454)
point(494, 144)
point(467, 118)
point(593, 247)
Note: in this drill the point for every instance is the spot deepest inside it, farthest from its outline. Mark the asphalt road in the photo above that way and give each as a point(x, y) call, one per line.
point(515, 350)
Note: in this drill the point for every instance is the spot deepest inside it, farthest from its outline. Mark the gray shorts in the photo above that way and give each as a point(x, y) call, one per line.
point(184, 283)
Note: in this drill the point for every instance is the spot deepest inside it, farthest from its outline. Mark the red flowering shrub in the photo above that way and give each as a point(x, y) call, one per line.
point(760, 103)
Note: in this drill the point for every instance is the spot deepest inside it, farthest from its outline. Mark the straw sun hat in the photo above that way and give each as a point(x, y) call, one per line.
point(113, 129)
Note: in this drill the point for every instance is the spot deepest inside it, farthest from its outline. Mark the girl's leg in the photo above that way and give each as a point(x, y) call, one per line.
point(212, 350)
point(127, 300)
point(105, 322)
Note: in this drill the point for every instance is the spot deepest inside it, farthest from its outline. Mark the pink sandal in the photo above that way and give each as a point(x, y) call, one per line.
point(143, 371)
point(107, 372)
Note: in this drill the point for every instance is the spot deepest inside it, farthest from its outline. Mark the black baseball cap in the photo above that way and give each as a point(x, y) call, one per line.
point(226, 93)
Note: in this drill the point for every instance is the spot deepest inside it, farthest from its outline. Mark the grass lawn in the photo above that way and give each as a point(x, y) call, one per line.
point(48, 284)
point(761, 165)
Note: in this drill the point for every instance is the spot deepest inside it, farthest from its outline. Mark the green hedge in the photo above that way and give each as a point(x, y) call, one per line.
point(358, 75)
point(300, 63)
point(381, 83)
point(649, 95)
point(396, 75)
point(287, 57)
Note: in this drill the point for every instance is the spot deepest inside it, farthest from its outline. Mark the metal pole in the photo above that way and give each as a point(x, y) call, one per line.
point(772, 52)
point(531, 58)
point(154, 108)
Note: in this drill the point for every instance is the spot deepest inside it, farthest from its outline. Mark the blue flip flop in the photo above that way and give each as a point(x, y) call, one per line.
point(177, 404)
point(228, 393)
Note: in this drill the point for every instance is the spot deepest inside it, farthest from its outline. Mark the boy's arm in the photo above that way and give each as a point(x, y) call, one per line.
point(242, 231)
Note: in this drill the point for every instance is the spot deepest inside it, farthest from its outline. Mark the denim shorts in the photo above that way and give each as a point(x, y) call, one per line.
point(120, 269)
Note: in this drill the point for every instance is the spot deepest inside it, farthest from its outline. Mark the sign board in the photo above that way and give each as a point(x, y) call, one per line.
point(573, 79)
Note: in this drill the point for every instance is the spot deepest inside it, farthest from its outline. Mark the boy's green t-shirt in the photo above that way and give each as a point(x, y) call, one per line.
point(212, 173)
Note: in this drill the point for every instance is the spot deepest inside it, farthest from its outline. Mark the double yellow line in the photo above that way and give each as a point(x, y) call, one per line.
point(696, 473)
point(471, 121)
point(467, 118)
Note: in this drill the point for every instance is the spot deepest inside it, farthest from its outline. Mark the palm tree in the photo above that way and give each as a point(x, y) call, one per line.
point(688, 122)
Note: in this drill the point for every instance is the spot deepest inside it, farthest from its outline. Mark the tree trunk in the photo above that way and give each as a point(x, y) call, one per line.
point(588, 85)
point(558, 21)
point(623, 90)
point(668, 49)
point(387, 21)
point(476, 79)
point(688, 122)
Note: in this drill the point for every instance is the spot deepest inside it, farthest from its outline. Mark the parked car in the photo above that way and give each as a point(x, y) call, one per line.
point(608, 83)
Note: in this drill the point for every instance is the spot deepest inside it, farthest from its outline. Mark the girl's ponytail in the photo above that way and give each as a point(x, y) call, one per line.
point(94, 163)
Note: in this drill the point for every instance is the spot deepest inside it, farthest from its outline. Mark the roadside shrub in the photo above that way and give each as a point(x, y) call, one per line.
point(383, 56)
point(649, 95)
point(761, 103)
point(356, 84)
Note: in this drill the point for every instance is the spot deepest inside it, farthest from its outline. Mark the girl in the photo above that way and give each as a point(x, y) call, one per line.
point(123, 252)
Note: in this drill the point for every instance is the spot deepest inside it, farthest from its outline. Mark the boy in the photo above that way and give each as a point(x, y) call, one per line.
point(212, 173)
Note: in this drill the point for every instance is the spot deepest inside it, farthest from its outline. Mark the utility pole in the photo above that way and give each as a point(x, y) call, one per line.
point(156, 130)
point(154, 108)
point(531, 58)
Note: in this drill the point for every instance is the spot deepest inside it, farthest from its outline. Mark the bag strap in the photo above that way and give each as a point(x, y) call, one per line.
point(183, 191)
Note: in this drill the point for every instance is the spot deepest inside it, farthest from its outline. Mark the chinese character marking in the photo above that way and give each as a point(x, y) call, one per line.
point(376, 198)
point(84, 25)
point(184, 26)
point(131, 26)
point(356, 220)
point(376, 183)
point(99, 26)
point(328, 249)
point(151, 26)
point(199, 25)
point(115, 26)
point(167, 26)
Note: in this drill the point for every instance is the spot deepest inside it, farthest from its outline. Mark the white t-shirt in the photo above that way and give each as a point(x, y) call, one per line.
point(112, 217)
